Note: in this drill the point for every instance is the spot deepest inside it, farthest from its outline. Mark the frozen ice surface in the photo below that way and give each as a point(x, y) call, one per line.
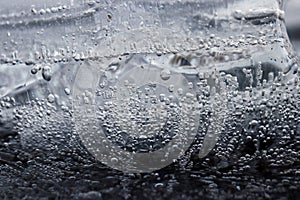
point(130, 70)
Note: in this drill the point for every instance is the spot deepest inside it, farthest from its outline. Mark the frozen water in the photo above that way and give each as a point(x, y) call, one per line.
point(203, 93)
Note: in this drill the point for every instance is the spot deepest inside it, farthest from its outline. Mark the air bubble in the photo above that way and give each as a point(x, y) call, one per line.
point(114, 160)
point(67, 91)
point(51, 98)
point(171, 88)
point(35, 69)
point(47, 73)
point(165, 74)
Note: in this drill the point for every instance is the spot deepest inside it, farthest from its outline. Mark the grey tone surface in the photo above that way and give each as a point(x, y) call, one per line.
point(256, 156)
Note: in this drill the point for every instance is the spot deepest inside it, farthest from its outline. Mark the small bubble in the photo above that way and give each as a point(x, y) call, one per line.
point(162, 97)
point(42, 11)
point(180, 91)
point(253, 123)
point(47, 73)
point(67, 91)
point(158, 185)
point(51, 98)
point(189, 95)
point(109, 16)
point(171, 88)
point(114, 160)
point(35, 69)
point(201, 75)
point(165, 74)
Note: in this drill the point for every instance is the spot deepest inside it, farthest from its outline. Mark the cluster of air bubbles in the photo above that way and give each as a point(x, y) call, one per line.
point(48, 10)
point(46, 71)
point(40, 121)
point(245, 114)
point(7, 102)
point(262, 125)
